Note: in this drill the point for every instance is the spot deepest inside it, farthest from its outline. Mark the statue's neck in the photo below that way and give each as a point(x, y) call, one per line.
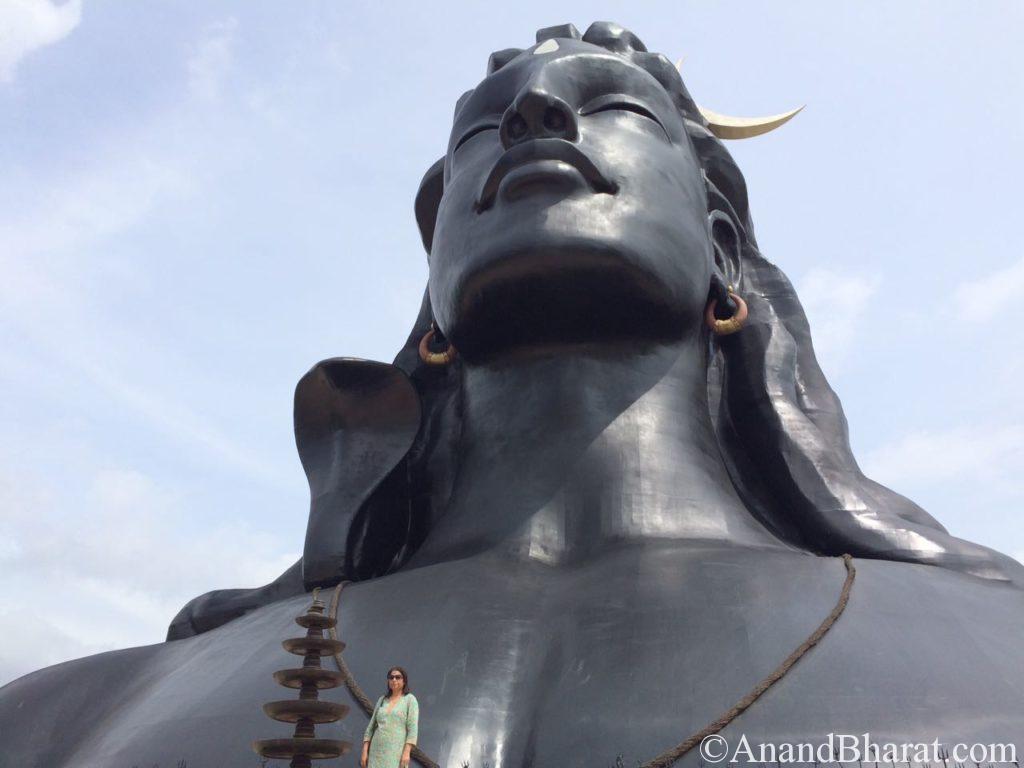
point(564, 455)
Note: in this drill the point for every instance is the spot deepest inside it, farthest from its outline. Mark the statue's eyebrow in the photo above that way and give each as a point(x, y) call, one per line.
point(484, 124)
point(625, 102)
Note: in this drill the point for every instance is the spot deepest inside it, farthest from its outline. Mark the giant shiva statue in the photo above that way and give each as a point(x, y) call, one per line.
point(601, 492)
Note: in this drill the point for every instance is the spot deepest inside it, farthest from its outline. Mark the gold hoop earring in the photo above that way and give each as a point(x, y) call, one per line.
point(730, 324)
point(435, 358)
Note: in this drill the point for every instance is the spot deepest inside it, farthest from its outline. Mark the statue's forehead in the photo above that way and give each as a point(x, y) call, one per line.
point(570, 64)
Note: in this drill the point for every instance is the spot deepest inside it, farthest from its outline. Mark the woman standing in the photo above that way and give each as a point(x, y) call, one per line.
point(393, 727)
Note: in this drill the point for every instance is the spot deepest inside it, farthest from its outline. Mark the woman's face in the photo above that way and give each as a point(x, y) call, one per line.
point(396, 681)
point(574, 209)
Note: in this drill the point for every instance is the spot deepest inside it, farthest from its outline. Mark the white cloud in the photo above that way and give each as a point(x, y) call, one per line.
point(181, 423)
point(49, 290)
point(119, 560)
point(97, 201)
point(27, 25)
point(126, 523)
point(834, 303)
point(993, 453)
point(210, 62)
point(981, 300)
point(46, 294)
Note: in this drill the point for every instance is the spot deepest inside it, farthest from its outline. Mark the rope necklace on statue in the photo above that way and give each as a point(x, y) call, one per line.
point(669, 756)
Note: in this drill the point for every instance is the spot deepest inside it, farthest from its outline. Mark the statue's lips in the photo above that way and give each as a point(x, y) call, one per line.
point(537, 150)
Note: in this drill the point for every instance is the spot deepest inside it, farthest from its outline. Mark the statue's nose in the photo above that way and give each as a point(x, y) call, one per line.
point(537, 114)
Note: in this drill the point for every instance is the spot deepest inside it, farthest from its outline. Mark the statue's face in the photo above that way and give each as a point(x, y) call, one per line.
point(574, 210)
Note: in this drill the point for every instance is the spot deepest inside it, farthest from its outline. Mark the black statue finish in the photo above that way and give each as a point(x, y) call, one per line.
point(598, 527)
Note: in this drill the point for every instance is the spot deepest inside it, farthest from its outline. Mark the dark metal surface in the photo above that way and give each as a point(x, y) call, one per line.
point(518, 663)
point(597, 528)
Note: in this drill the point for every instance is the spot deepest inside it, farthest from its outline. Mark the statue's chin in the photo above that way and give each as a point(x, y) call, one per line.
point(541, 302)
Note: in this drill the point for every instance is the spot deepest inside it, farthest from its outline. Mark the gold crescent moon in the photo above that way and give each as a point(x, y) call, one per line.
point(727, 127)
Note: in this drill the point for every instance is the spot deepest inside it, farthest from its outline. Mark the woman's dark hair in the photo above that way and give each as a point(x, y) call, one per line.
point(405, 681)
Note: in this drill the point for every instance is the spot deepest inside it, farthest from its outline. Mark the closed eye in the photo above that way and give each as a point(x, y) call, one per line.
point(473, 132)
point(622, 102)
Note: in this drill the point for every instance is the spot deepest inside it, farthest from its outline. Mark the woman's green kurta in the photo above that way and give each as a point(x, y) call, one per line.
point(389, 732)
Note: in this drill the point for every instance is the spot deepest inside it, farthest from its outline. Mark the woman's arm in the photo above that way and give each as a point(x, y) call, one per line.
point(368, 734)
point(412, 728)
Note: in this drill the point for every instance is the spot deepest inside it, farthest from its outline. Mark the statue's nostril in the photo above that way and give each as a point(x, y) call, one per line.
point(517, 127)
point(554, 119)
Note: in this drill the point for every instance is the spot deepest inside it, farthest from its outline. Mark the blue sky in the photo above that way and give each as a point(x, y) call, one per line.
point(200, 201)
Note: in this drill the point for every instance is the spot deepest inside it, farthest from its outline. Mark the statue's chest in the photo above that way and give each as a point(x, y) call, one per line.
point(631, 653)
point(619, 655)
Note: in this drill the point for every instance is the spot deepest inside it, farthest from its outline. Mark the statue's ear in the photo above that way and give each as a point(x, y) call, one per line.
point(725, 238)
point(355, 421)
point(428, 198)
